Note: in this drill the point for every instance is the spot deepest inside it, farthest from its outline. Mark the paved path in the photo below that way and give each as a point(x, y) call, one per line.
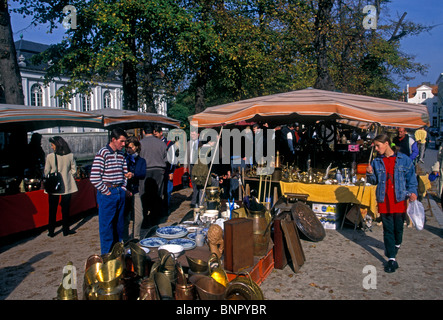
point(31, 267)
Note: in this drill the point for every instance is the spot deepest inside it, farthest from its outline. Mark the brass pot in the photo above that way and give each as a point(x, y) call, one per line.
point(139, 259)
point(110, 274)
point(197, 265)
point(185, 291)
point(212, 193)
point(208, 288)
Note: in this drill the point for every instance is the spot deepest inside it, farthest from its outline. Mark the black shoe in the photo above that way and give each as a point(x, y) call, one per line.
point(69, 232)
point(391, 266)
point(51, 234)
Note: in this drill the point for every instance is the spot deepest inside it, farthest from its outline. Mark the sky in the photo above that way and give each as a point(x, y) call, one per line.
point(427, 47)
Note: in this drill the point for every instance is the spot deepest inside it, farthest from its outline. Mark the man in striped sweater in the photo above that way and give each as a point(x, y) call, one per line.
point(109, 174)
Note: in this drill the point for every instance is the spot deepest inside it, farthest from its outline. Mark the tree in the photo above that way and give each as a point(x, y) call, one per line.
point(10, 78)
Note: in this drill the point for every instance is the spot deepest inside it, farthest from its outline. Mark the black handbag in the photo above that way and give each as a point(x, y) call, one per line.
point(54, 181)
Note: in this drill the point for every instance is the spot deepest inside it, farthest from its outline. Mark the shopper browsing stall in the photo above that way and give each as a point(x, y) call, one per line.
point(108, 175)
point(62, 161)
point(394, 174)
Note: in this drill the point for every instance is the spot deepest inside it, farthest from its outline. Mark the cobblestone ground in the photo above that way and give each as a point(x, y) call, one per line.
point(31, 267)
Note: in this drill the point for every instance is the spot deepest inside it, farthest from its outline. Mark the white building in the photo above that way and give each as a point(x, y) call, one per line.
point(107, 94)
point(427, 95)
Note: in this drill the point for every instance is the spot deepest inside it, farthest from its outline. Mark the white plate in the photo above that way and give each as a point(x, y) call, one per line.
point(187, 244)
point(153, 242)
point(171, 232)
point(175, 249)
point(192, 229)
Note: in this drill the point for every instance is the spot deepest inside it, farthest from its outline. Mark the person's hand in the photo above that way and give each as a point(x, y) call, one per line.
point(129, 175)
point(412, 197)
point(369, 169)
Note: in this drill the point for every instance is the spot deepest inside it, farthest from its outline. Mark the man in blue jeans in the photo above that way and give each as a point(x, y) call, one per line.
point(109, 174)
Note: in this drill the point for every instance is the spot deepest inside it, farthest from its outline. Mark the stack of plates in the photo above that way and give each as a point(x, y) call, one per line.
point(171, 232)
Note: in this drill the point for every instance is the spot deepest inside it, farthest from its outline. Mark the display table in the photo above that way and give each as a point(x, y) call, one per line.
point(30, 210)
point(324, 193)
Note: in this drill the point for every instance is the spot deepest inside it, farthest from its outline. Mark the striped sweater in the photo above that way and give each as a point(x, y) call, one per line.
point(109, 166)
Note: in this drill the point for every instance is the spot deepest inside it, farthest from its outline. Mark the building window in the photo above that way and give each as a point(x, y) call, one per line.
point(106, 99)
point(85, 102)
point(423, 95)
point(36, 95)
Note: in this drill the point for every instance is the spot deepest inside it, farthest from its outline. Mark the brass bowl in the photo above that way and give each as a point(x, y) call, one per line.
point(109, 275)
point(197, 265)
point(208, 288)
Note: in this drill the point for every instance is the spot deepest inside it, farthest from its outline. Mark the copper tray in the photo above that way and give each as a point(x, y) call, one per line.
point(307, 222)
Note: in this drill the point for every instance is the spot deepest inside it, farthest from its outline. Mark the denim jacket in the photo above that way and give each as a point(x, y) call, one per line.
point(405, 180)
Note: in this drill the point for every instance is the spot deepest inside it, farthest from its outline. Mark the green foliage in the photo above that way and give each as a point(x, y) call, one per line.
point(223, 51)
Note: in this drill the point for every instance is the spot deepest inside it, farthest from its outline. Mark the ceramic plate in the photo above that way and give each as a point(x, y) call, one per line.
point(171, 232)
point(192, 229)
point(175, 249)
point(153, 242)
point(185, 243)
point(192, 235)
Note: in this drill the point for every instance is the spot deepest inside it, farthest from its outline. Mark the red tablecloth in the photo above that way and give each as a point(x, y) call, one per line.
point(27, 211)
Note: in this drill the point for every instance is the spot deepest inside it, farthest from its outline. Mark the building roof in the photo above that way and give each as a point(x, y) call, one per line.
point(413, 90)
point(27, 49)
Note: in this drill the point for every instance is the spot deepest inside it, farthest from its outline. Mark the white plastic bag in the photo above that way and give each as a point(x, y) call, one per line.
point(416, 212)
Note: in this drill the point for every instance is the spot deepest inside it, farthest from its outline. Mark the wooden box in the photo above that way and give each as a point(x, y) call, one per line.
point(239, 244)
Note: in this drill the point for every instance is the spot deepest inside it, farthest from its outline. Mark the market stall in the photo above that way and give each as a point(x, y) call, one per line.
point(23, 201)
point(29, 210)
point(329, 117)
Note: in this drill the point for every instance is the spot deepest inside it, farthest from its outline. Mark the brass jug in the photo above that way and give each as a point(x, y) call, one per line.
point(216, 271)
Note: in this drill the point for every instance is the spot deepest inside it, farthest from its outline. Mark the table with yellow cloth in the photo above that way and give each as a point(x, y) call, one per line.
point(325, 193)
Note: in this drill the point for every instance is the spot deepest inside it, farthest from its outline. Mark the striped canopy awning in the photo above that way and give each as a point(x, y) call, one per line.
point(31, 118)
point(310, 105)
point(127, 119)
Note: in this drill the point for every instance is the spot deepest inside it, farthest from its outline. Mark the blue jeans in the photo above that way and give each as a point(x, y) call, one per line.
point(111, 218)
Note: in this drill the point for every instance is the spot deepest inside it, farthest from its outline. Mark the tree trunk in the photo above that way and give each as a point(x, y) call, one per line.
point(130, 97)
point(10, 78)
point(149, 78)
point(200, 92)
point(324, 80)
point(130, 87)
